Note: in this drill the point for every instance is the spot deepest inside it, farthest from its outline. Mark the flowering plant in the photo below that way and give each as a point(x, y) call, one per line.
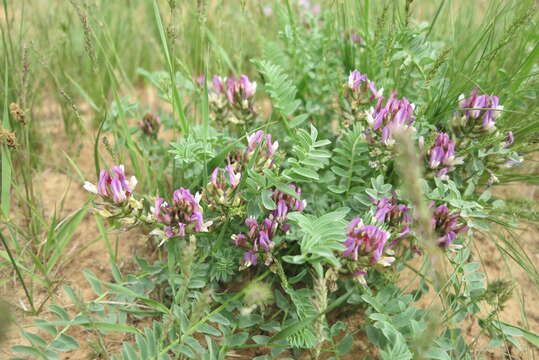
point(322, 217)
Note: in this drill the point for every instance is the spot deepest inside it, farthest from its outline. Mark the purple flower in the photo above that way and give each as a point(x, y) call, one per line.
point(361, 89)
point(223, 178)
point(355, 79)
point(364, 240)
point(254, 139)
point(218, 86)
point(240, 91)
point(389, 211)
point(263, 240)
point(232, 86)
point(386, 119)
point(509, 139)
point(259, 237)
point(200, 80)
point(447, 225)
point(261, 145)
point(113, 186)
point(184, 216)
point(249, 258)
point(442, 155)
point(484, 108)
point(220, 193)
point(288, 201)
point(150, 124)
point(247, 88)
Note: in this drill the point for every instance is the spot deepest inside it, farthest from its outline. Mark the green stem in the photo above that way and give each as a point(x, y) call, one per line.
point(19, 275)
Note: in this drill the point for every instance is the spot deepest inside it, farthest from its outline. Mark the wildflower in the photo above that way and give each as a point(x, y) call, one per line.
point(249, 258)
point(361, 89)
point(395, 214)
point(259, 237)
point(442, 155)
point(261, 145)
point(485, 108)
point(286, 203)
point(220, 189)
point(359, 275)
point(150, 124)
point(218, 85)
point(184, 216)
point(232, 99)
point(447, 225)
point(509, 139)
point(365, 240)
point(386, 119)
point(200, 80)
point(113, 186)
point(240, 91)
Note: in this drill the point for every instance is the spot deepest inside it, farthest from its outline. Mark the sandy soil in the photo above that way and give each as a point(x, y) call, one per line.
point(87, 250)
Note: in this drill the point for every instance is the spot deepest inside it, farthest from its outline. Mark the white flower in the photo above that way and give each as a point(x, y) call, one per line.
point(386, 260)
point(132, 182)
point(88, 186)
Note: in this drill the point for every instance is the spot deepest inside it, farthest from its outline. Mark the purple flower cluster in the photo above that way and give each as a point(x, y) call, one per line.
point(286, 203)
point(220, 189)
point(365, 245)
point(361, 89)
point(237, 91)
point(364, 240)
point(395, 114)
point(442, 155)
point(447, 225)
point(485, 108)
point(259, 238)
point(261, 145)
point(150, 124)
point(389, 211)
point(113, 186)
point(218, 178)
point(183, 216)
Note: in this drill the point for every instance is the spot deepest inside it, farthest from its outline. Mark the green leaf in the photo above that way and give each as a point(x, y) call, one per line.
point(267, 201)
point(345, 345)
point(103, 326)
point(208, 329)
point(26, 350)
point(62, 234)
point(65, 343)
point(236, 339)
point(513, 330)
point(322, 237)
point(280, 88)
